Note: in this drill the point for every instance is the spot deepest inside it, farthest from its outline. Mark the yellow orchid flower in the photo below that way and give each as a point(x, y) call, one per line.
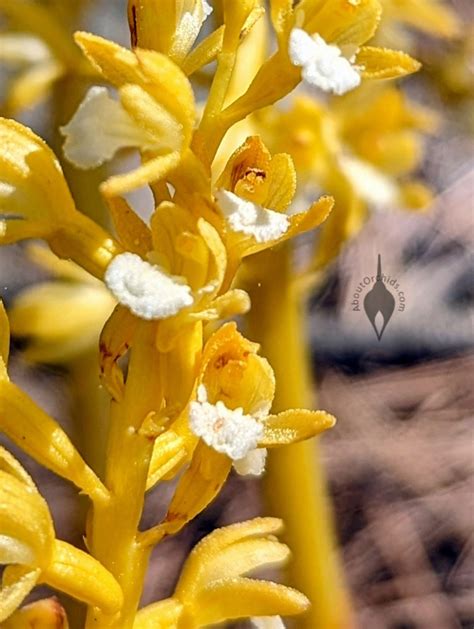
point(230, 417)
point(155, 114)
point(321, 42)
point(213, 587)
point(253, 194)
point(32, 554)
point(362, 149)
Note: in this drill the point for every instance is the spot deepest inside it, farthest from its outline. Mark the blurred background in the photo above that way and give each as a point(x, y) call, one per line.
point(400, 460)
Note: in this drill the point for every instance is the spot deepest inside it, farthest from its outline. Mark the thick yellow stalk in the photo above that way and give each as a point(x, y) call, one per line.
point(113, 529)
point(295, 485)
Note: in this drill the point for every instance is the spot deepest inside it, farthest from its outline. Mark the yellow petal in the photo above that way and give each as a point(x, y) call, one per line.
point(168, 453)
point(4, 335)
point(153, 170)
point(12, 595)
point(9, 464)
point(281, 15)
point(344, 21)
point(170, 87)
point(81, 576)
point(34, 196)
point(204, 53)
point(282, 185)
point(45, 614)
point(294, 425)
point(42, 438)
point(382, 63)
point(162, 615)
point(236, 14)
point(241, 598)
point(131, 230)
point(158, 123)
point(24, 516)
point(232, 372)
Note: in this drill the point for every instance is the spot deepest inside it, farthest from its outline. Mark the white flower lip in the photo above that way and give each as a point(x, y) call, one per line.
point(228, 431)
point(253, 464)
point(147, 290)
point(99, 128)
point(323, 65)
point(251, 219)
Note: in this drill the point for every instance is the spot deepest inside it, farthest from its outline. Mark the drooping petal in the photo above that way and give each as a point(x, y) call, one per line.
point(168, 453)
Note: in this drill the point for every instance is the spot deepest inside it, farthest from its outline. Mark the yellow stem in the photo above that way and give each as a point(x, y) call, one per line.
point(112, 536)
point(295, 484)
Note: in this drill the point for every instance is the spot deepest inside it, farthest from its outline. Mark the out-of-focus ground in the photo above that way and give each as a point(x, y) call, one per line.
point(400, 460)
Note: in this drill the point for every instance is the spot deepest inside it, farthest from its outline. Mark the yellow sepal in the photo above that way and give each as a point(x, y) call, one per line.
point(168, 453)
point(40, 436)
point(131, 230)
point(240, 597)
point(294, 425)
point(204, 53)
point(383, 63)
point(81, 576)
point(13, 594)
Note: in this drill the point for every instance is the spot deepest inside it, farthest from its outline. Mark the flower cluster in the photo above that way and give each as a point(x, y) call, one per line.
point(190, 399)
